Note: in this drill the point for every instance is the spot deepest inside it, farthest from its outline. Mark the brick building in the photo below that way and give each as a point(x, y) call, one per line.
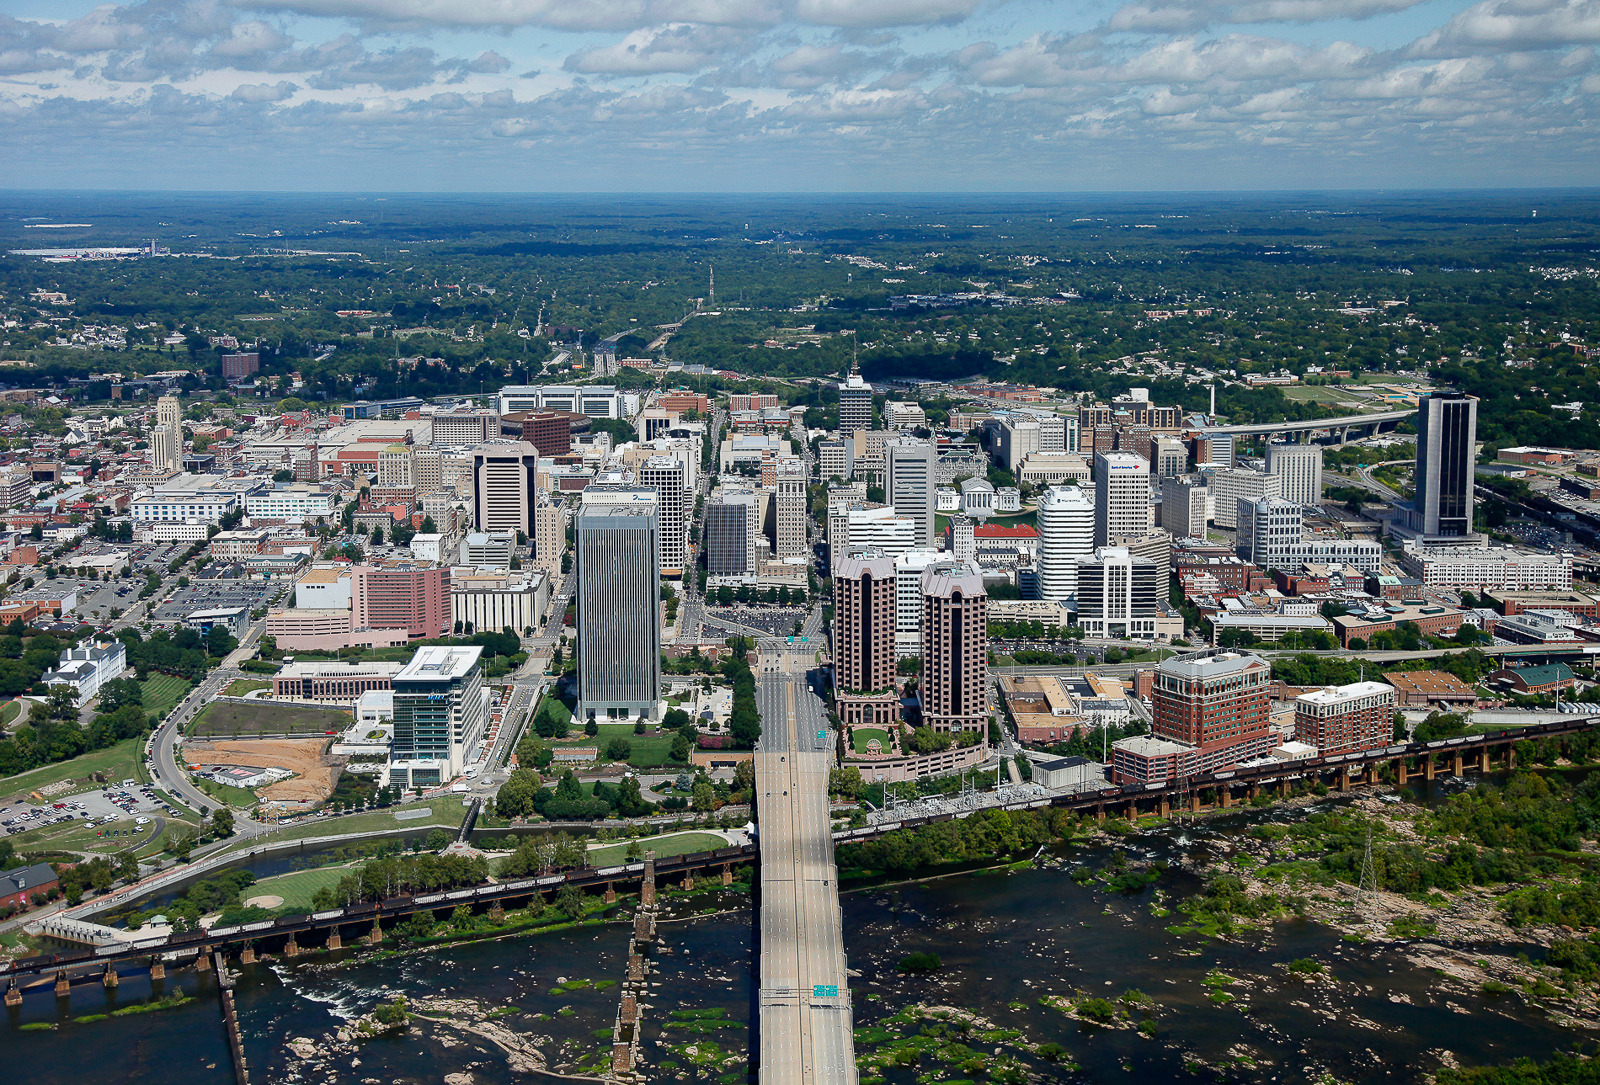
point(1214, 701)
point(1344, 719)
point(863, 630)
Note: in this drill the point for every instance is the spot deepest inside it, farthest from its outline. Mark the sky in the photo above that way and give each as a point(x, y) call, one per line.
point(798, 95)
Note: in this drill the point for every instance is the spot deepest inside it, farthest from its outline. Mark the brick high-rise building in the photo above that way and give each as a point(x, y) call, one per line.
point(415, 598)
point(1344, 719)
point(863, 641)
point(1215, 701)
point(955, 665)
point(550, 432)
point(236, 367)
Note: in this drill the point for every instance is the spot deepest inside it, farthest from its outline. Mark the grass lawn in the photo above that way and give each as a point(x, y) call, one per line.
point(299, 887)
point(649, 751)
point(10, 711)
point(76, 836)
point(447, 814)
point(863, 735)
point(162, 692)
point(170, 832)
point(228, 719)
point(664, 846)
point(241, 797)
point(240, 686)
point(124, 761)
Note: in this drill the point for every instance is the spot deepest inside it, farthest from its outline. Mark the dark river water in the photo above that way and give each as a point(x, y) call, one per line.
point(1005, 940)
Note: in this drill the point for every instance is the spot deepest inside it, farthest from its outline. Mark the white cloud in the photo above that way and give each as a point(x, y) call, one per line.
point(1516, 24)
point(681, 47)
point(265, 92)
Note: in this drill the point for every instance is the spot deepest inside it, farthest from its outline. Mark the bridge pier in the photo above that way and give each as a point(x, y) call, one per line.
point(1483, 758)
point(1225, 794)
point(647, 888)
point(1400, 772)
point(291, 948)
point(1344, 778)
point(202, 963)
point(375, 935)
point(158, 970)
point(610, 896)
point(1428, 767)
point(1511, 757)
point(688, 882)
point(1455, 764)
point(334, 941)
point(247, 955)
point(1194, 802)
point(1161, 805)
point(109, 978)
point(727, 873)
point(13, 995)
point(63, 988)
point(1253, 792)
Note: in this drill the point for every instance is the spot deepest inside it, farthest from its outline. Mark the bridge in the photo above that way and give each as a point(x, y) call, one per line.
point(1376, 421)
point(805, 1010)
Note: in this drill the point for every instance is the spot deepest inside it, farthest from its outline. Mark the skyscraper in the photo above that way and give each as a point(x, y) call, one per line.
point(1447, 434)
point(619, 622)
point(1066, 533)
point(504, 487)
point(855, 405)
point(1216, 702)
point(1183, 507)
point(440, 711)
point(863, 641)
point(1233, 488)
point(1300, 468)
point(954, 649)
point(1119, 595)
point(1121, 496)
point(789, 510)
point(731, 529)
point(664, 474)
point(166, 439)
point(1268, 529)
point(912, 469)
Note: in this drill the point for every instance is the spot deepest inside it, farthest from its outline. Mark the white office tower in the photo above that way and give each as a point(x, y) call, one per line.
point(912, 469)
point(166, 444)
point(1052, 433)
point(1066, 535)
point(619, 606)
point(1119, 594)
point(1170, 456)
point(1269, 527)
point(789, 517)
point(396, 466)
point(1121, 496)
point(1300, 468)
point(1229, 488)
point(855, 405)
point(880, 527)
point(908, 570)
point(1184, 507)
point(962, 543)
point(664, 475)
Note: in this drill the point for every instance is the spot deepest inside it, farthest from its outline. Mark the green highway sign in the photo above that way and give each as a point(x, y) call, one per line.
point(825, 990)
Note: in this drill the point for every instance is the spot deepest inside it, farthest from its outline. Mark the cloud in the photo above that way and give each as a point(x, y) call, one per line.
point(681, 47)
point(265, 92)
point(879, 13)
point(489, 63)
point(1515, 24)
point(1182, 17)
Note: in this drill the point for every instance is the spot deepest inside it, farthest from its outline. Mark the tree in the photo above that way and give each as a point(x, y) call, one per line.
point(591, 728)
point(704, 796)
point(222, 822)
point(680, 749)
point(619, 749)
point(569, 902)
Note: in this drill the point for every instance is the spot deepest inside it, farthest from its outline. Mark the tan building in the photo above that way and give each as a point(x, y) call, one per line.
point(954, 649)
point(1431, 688)
point(864, 658)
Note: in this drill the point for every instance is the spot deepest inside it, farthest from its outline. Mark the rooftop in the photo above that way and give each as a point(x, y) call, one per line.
point(1209, 664)
point(1336, 694)
point(440, 663)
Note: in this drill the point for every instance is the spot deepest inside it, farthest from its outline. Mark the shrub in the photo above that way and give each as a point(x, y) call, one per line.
point(391, 1013)
point(920, 962)
point(1097, 1009)
point(1305, 966)
point(1411, 926)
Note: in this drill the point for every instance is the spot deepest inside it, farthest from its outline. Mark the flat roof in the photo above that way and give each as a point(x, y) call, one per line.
point(1209, 665)
point(440, 663)
point(1335, 694)
point(1426, 682)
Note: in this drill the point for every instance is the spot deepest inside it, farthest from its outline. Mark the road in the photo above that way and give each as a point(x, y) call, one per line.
point(806, 1017)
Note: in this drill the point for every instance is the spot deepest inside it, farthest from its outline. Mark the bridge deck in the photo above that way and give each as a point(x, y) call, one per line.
point(806, 1018)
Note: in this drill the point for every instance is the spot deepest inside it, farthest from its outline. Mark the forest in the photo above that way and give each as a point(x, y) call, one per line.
point(386, 295)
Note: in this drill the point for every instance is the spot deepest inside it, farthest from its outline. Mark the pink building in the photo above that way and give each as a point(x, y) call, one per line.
point(403, 596)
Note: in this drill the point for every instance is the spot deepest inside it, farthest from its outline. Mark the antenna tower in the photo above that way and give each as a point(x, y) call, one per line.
point(1368, 887)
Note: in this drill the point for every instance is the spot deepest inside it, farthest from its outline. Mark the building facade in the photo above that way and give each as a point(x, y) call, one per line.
point(1300, 469)
point(864, 657)
point(1121, 496)
point(1216, 702)
point(1447, 456)
point(619, 609)
point(955, 667)
point(1345, 719)
point(504, 486)
point(440, 713)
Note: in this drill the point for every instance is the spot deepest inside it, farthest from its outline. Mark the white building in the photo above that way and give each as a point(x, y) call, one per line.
point(295, 504)
point(441, 709)
point(908, 569)
point(494, 602)
point(1486, 568)
point(977, 498)
point(88, 667)
point(1269, 527)
point(1300, 469)
point(911, 469)
point(1231, 487)
point(1066, 534)
point(1184, 504)
point(1121, 496)
point(488, 549)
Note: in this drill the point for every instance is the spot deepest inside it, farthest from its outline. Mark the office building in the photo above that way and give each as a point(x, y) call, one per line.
point(549, 533)
point(401, 596)
point(596, 401)
point(1121, 496)
point(548, 431)
point(440, 711)
point(961, 539)
point(1183, 507)
point(864, 657)
point(1299, 467)
point(855, 405)
point(236, 367)
point(497, 601)
point(911, 482)
point(878, 526)
point(504, 486)
point(1486, 568)
point(166, 439)
point(1231, 488)
point(488, 549)
point(789, 511)
point(619, 609)
point(1345, 719)
point(908, 569)
point(1214, 701)
point(1120, 595)
point(1066, 535)
point(955, 665)
point(834, 460)
point(1269, 528)
point(1447, 434)
point(332, 681)
point(1169, 457)
point(396, 467)
point(732, 524)
point(469, 427)
point(1214, 448)
point(664, 474)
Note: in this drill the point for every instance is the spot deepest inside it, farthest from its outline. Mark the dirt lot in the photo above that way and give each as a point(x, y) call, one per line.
point(313, 778)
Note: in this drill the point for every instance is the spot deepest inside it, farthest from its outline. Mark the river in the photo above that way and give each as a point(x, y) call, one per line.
point(1005, 938)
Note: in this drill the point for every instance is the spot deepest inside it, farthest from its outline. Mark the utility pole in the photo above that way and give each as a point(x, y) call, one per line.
point(1367, 889)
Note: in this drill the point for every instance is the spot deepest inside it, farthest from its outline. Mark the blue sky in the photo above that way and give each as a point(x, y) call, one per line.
point(798, 95)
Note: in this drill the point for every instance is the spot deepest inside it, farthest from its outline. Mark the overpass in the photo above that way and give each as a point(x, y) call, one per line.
point(805, 1025)
point(1378, 420)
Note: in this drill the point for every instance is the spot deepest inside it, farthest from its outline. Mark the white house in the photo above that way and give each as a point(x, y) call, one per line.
point(86, 669)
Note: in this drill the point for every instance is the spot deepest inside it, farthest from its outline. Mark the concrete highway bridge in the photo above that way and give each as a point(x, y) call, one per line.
point(1343, 425)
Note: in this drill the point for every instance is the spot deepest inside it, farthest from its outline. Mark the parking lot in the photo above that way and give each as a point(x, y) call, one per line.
point(211, 594)
point(113, 807)
point(778, 621)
